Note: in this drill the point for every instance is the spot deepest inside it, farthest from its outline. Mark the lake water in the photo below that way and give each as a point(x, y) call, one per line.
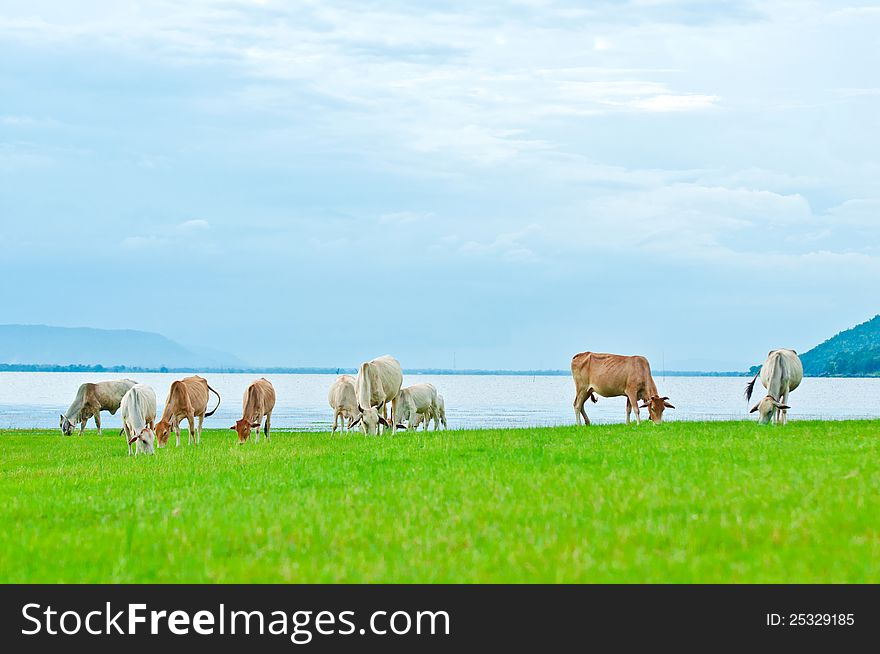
point(35, 400)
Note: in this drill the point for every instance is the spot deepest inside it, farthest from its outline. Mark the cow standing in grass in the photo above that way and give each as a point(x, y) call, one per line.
point(343, 400)
point(613, 375)
point(424, 418)
point(187, 398)
point(378, 383)
point(413, 400)
point(781, 373)
point(138, 415)
point(258, 401)
point(90, 400)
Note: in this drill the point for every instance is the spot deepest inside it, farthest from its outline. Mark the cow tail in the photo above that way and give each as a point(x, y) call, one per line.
point(211, 413)
point(751, 386)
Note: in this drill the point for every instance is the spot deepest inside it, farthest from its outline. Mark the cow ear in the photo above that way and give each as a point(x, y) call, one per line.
point(781, 406)
point(753, 409)
point(665, 397)
point(643, 406)
point(383, 421)
point(668, 405)
point(132, 439)
point(355, 422)
point(233, 427)
point(255, 425)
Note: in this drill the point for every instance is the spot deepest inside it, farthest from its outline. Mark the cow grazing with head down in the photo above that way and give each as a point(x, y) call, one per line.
point(187, 398)
point(781, 373)
point(138, 415)
point(424, 418)
point(258, 401)
point(412, 401)
point(378, 383)
point(90, 400)
point(343, 400)
point(613, 375)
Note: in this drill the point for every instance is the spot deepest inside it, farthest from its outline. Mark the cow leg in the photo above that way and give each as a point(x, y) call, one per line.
point(82, 426)
point(632, 399)
point(785, 412)
point(199, 433)
point(579, 401)
point(177, 431)
point(97, 422)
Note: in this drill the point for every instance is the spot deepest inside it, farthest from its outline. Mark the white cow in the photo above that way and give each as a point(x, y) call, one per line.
point(138, 416)
point(425, 418)
point(781, 373)
point(378, 383)
point(413, 400)
point(343, 401)
point(90, 400)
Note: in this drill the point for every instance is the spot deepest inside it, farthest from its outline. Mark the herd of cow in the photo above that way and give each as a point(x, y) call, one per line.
point(356, 401)
point(364, 400)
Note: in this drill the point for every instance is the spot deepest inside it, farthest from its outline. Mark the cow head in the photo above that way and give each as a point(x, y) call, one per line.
point(66, 425)
point(243, 428)
point(163, 431)
point(655, 407)
point(767, 409)
point(369, 420)
point(144, 439)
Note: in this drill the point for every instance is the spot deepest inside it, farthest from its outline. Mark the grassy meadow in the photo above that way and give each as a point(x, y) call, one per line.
point(682, 502)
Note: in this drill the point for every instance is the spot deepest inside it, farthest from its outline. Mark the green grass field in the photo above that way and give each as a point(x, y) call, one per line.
point(682, 502)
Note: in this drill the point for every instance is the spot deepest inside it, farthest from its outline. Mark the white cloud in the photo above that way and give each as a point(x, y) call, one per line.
point(667, 102)
point(507, 246)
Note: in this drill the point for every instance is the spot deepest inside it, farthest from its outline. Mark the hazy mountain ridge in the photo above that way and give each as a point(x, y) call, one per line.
point(85, 346)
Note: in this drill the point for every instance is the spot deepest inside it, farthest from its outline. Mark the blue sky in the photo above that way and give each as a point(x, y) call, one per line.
point(320, 183)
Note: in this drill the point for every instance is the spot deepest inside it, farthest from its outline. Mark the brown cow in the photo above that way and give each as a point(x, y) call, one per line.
point(259, 400)
point(613, 375)
point(187, 398)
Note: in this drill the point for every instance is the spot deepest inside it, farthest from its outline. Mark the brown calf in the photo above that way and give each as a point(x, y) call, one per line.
point(259, 400)
point(187, 398)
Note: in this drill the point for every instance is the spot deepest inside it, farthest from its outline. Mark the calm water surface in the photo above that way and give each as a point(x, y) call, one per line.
point(35, 400)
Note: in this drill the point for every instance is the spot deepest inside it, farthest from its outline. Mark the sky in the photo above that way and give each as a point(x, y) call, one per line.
point(493, 184)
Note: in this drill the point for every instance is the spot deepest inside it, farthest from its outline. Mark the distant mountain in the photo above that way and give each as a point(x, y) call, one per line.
point(42, 344)
point(853, 352)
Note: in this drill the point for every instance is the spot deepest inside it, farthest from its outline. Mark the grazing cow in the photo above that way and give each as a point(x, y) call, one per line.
point(413, 400)
point(781, 373)
point(138, 415)
point(425, 418)
point(378, 383)
point(187, 398)
point(259, 400)
point(613, 375)
point(90, 400)
point(343, 401)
